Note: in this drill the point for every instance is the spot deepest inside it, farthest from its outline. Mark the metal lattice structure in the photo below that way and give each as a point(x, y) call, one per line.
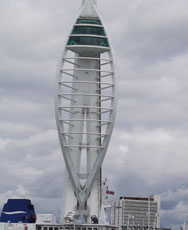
point(85, 104)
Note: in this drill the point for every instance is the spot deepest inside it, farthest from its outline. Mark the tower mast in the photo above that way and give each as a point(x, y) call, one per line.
point(85, 105)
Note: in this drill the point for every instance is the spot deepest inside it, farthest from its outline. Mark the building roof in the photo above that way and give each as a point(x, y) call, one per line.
point(136, 198)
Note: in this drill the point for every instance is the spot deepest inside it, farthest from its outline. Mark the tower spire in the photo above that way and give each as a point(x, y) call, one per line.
point(91, 1)
point(88, 8)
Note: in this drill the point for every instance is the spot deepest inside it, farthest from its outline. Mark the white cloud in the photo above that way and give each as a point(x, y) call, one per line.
point(21, 191)
point(3, 143)
point(16, 129)
point(123, 148)
point(151, 154)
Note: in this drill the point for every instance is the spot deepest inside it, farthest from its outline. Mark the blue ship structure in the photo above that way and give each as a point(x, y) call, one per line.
point(18, 210)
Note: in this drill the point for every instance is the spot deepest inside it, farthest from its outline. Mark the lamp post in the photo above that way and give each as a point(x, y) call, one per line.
point(133, 221)
point(143, 224)
point(128, 222)
point(154, 225)
point(148, 213)
point(184, 225)
point(157, 225)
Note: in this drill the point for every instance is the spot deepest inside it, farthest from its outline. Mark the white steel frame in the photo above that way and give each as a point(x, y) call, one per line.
point(70, 101)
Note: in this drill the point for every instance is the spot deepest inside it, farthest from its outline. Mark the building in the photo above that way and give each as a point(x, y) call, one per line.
point(137, 212)
point(85, 105)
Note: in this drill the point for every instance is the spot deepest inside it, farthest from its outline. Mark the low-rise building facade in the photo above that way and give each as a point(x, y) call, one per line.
point(137, 212)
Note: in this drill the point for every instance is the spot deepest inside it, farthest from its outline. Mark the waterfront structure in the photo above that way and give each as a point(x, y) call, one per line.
point(137, 212)
point(85, 105)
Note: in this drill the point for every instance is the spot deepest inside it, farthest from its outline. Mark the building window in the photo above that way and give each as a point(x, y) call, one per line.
point(88, 21)
point(88, 30)
point(90, 41)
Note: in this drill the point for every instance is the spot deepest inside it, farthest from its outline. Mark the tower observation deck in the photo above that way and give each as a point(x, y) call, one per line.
point(85, 105)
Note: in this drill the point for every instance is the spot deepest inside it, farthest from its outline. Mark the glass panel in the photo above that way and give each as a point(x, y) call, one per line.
point(88, 30)
point(88, 21)
point(88, 41)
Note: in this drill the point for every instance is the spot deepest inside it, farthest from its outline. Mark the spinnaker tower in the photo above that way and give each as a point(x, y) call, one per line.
point(85, 105)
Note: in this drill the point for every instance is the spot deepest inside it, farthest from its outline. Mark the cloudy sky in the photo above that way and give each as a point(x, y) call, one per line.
point(150, 138)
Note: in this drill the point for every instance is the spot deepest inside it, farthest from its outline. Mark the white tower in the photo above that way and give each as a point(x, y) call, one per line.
point(85, 110)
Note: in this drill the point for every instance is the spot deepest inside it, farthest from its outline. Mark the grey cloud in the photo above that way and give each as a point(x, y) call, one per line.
point(151, 161)
point(34, 169)
point(155, 95)
point(16, 130)
point(148, 150)
point(149, 30)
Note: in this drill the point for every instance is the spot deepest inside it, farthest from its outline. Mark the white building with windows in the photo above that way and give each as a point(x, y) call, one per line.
point(137, 212)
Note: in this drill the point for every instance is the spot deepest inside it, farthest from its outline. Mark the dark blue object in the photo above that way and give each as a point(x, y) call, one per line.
point(18, 210)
